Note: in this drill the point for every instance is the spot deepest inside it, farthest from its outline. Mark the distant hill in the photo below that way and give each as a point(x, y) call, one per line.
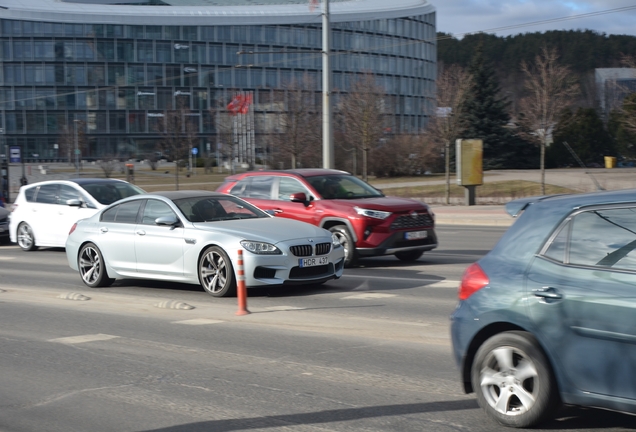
point(581, 50)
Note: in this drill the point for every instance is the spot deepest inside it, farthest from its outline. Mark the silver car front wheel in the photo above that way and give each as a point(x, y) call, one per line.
point(216, 273)
point(513, 380)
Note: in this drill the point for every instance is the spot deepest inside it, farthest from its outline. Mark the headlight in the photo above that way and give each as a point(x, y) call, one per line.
point(335, 241)
point(260, 248)
point(376, 214)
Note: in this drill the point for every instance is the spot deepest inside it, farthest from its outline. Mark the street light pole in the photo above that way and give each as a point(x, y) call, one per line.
point(327, 128)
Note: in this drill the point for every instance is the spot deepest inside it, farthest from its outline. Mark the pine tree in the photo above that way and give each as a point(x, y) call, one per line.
point(486, 115)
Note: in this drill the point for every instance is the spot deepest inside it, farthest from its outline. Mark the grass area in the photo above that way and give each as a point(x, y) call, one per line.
point(163, 178)
point(504, 189)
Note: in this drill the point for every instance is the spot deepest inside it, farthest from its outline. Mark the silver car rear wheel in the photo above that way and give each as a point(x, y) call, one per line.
point(513, 380)
point(26, 240)
point(216, 273)
point(92, 267)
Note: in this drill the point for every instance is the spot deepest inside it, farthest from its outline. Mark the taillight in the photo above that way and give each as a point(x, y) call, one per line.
point(72, 229)
point(473, 280)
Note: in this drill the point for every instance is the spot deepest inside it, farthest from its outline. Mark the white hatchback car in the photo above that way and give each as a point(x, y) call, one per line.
point(43, 213)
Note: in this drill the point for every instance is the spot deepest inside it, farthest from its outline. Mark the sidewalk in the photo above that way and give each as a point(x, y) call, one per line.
point(477, 215)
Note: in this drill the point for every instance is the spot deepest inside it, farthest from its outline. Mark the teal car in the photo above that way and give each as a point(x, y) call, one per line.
point(548, 317)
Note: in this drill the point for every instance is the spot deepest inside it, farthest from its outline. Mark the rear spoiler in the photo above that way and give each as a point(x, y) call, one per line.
point(514, 208)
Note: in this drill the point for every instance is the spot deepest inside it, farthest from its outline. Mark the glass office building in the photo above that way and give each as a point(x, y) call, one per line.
point(119, 66)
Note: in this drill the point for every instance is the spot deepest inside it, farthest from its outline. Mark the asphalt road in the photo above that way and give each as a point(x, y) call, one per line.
point(369, 352)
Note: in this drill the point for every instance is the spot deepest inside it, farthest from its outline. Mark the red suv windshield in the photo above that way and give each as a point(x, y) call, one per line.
point(343, 187)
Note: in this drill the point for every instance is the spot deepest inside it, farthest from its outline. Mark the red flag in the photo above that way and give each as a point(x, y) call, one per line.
point(313, 4)
point(235, 104)
point(245, 105)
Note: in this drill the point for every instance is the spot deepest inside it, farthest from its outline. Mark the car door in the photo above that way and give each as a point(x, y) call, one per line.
point(43, 216)
point(68, 215)
point(158, 248)
point(582, 299)
point(117, 236)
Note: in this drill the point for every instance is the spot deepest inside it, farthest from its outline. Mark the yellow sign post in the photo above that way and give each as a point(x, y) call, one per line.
point(469, 164)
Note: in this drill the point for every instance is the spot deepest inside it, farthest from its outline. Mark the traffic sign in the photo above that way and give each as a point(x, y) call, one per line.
point(195, 150)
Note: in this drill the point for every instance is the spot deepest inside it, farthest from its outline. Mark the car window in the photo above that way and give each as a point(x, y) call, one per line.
point(343, 187)
point(69, 192)
point(155, 209)
point(29, 194)
point(604, 238)
point(254, 187)
point(108, 192)
point(123, 213)
point(222, 208)
point(288, 186)
point(47, 194)
point(556, 250)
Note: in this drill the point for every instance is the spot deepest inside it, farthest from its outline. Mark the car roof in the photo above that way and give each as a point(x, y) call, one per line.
point(174, 195)
point(301, 172)
point(78, 181)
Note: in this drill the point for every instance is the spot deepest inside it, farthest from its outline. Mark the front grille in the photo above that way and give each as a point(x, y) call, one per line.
point(301, 250)
point(408, 221)
point(308, 272)
point(323, 248)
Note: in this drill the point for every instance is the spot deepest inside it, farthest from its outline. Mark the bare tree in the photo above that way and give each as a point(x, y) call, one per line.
point(453, 84)
point(550, 88)
point(627, 109)
point(179, 136)
point(362, 112)
point(300, 135)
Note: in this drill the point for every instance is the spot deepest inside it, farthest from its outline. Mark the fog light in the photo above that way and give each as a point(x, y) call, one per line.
point(367, 232)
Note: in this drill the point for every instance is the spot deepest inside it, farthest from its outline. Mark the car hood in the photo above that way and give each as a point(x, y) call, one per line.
point(387, 203)
point(266, 229)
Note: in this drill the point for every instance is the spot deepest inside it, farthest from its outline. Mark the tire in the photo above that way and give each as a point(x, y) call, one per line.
point(216, 273)
point(409, 256)
point(92, 267)
point(25, 237)
point(346, 240)
point(513, 380)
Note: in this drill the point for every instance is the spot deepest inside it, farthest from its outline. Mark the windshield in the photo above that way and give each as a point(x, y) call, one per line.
point(221, 208)
point(108, 192)
point(343, 187)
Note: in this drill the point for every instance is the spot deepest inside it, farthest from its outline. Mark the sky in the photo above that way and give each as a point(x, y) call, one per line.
point(469, 16)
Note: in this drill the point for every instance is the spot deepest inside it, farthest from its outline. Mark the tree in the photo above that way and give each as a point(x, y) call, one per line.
point(485, 115)
point(453, 85)
point(179, 136)
point(550, 89)
point(585, 133)
point(363, 119)
point(299, 139)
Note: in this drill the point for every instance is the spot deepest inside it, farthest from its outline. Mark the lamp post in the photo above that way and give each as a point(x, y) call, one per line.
point(76, 121)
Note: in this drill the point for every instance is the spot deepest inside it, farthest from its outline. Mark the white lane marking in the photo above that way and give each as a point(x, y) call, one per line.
point(370, 295)
point(284, 308)
point(84, 338)
point(198, 321)
point(444, 284)
point(434, 282)
point(6, 258)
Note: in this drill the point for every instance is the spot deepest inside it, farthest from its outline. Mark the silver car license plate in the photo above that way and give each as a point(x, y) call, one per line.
point(312, 262)
point(415, 235)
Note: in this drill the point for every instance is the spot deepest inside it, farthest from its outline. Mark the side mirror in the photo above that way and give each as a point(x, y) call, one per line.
point(299, 197)
point(74, 202)
point(167, 221)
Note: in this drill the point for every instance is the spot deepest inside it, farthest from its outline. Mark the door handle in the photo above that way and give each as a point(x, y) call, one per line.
point(547, 293)
point(103, 230)
point(140, 232)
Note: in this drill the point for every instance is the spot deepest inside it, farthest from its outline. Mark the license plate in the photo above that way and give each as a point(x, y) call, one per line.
point(415, 235)
point(312, 262)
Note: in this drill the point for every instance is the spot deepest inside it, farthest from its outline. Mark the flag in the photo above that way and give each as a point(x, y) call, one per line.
point(313, 4)
point(235, 104)
point(245, 105)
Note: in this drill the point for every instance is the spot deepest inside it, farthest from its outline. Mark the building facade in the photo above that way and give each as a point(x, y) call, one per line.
point(112, 70)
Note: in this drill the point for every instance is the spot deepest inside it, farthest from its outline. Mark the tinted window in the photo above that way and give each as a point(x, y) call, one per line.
point(221, 208)
point(288, 186)
point(604, 238)
point(68, 192)
point(47, 194)
point(254, 187)
point(29, 194)
point(123, 213)
point(108, 192)
point(556, 250)
point(155, 209)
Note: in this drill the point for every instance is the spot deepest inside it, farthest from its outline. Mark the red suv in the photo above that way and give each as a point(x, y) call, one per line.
point(367, 222)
